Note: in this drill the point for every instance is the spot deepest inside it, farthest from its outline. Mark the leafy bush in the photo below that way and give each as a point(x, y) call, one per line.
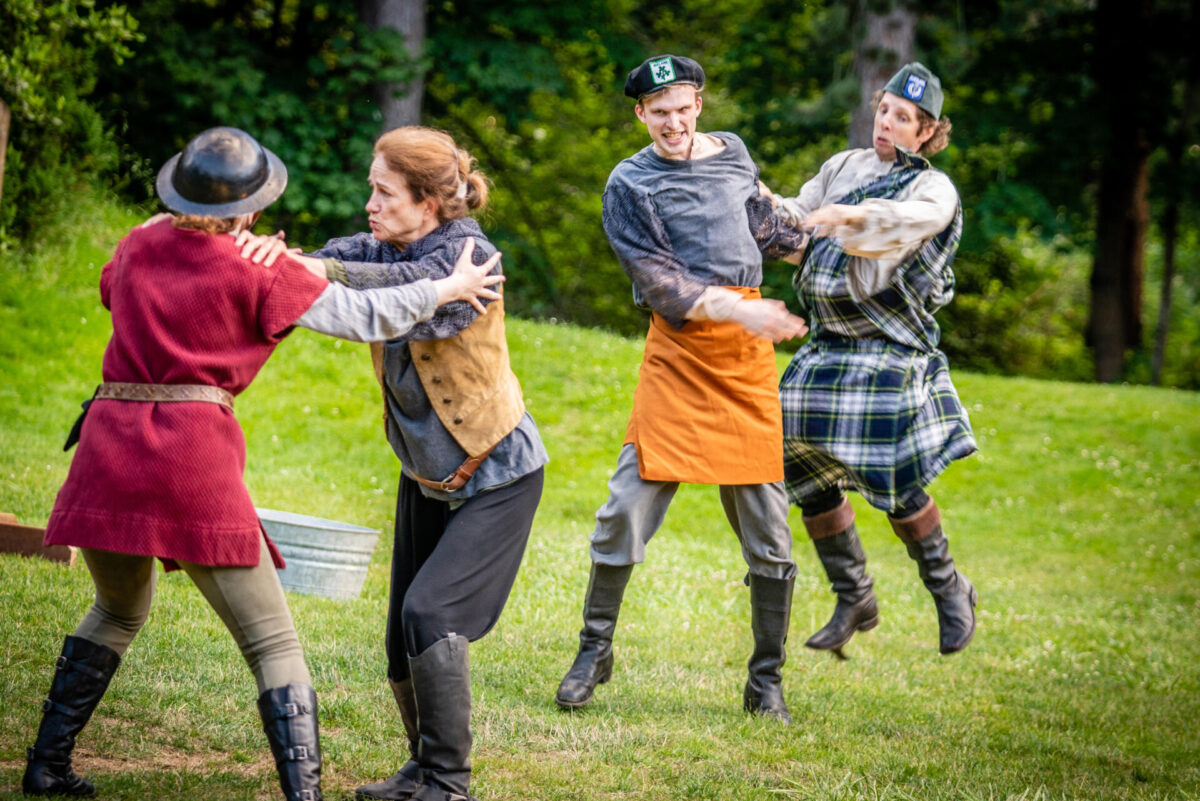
point(1020, 307)
point(300, 81)
point(549, 169)
point(50, 57)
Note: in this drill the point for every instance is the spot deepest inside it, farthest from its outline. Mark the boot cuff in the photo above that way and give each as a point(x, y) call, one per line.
point(831, 523)
point(917, 527)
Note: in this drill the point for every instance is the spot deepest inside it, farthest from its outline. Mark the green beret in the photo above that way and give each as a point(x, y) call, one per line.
point(915, 82)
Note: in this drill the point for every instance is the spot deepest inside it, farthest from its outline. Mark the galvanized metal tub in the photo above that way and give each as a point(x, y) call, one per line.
point(324, 557)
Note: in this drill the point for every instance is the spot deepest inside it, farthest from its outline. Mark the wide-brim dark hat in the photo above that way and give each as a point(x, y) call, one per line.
point(222, 172)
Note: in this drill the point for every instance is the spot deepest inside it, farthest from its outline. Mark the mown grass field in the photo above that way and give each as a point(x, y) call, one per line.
point(1079, 522)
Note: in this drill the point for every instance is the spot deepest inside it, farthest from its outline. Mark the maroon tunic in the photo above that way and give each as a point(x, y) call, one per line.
point(165, 479)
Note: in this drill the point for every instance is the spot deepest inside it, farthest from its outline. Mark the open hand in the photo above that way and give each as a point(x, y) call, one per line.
point(835, 215)
point(262, 248)
point(468, 282)
point(768, 318)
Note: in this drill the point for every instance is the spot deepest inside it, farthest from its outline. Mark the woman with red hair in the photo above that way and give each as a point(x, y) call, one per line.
point(471, 456)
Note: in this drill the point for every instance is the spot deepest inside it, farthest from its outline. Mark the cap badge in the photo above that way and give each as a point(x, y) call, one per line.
point(914, 88)
point(662, 71)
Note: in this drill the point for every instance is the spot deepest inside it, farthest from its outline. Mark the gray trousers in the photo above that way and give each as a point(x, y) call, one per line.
point(635, 510)
point(249, 601)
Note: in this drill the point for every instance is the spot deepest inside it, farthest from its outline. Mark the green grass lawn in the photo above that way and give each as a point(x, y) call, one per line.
point(1079, 522)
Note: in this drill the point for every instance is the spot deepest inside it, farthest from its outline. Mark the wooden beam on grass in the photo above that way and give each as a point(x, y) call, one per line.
point(27, 541)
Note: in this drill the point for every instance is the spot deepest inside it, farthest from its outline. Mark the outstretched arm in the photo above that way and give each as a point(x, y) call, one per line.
point(762, 317)
point(384, 313)
point(359, 261)
point(362, 262)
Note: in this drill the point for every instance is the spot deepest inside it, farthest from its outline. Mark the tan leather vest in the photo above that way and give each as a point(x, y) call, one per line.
point(469, 381)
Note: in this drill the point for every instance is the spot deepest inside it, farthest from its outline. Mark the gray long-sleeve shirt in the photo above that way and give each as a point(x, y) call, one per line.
point(680, 226)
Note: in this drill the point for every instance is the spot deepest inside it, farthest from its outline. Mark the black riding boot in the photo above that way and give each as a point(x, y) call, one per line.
point(441, 682)
point(405, 781)
point(770, 612)
point(289, 716)
point(594, 662)
point(81, 677)
point(953, 595)
point(846, 565)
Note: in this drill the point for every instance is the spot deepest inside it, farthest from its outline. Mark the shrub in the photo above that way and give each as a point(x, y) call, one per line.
point(50, 56)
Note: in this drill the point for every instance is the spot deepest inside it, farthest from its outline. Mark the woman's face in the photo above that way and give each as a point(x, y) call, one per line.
point(897, 122)
point(392, 213)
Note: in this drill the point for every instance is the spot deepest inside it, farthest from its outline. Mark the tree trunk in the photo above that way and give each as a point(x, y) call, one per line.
point(400, 104)
point(1170, 220)
point(5, 116)
point(1121, 219)
point(887, 45)
point(1170, 229)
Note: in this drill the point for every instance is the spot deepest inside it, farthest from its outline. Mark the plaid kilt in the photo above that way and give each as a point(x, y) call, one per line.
point(868, 403)
point(869, 415)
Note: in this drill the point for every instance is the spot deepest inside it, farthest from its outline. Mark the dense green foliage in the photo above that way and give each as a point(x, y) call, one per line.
point(51, 55)
point(299, 79)
point(534, 91)
point(1078, 521)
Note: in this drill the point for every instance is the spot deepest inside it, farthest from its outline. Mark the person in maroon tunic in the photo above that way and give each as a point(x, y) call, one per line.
point(158, 470)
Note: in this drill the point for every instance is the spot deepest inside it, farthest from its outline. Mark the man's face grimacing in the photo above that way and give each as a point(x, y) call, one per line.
point(670, 117)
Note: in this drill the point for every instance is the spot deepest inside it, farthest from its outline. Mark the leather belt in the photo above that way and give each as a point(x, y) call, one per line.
point(461, 475)
point(165, 393)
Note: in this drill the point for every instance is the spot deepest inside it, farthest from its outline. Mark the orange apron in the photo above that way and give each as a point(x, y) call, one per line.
point(706, 408)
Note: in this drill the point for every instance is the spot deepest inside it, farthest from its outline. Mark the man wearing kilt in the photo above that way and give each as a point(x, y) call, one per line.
point(868, 403)
point(706, 409)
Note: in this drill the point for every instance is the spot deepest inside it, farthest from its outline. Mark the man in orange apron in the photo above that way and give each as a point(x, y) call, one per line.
point(706, 408)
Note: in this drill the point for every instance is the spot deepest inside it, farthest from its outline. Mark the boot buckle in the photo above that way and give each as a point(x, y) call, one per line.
point(296, 753)
point(304, 795)
point(292, 710)
point(47, 757)
point(61, 663)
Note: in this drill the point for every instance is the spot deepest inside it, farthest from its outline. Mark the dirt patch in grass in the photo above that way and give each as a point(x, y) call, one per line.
point(172, 759)
point(165, 759)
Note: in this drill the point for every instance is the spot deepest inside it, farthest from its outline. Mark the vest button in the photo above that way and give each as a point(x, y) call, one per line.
point(437, 379)
point(457, 421)
point(446, 400)
point(425, 357)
